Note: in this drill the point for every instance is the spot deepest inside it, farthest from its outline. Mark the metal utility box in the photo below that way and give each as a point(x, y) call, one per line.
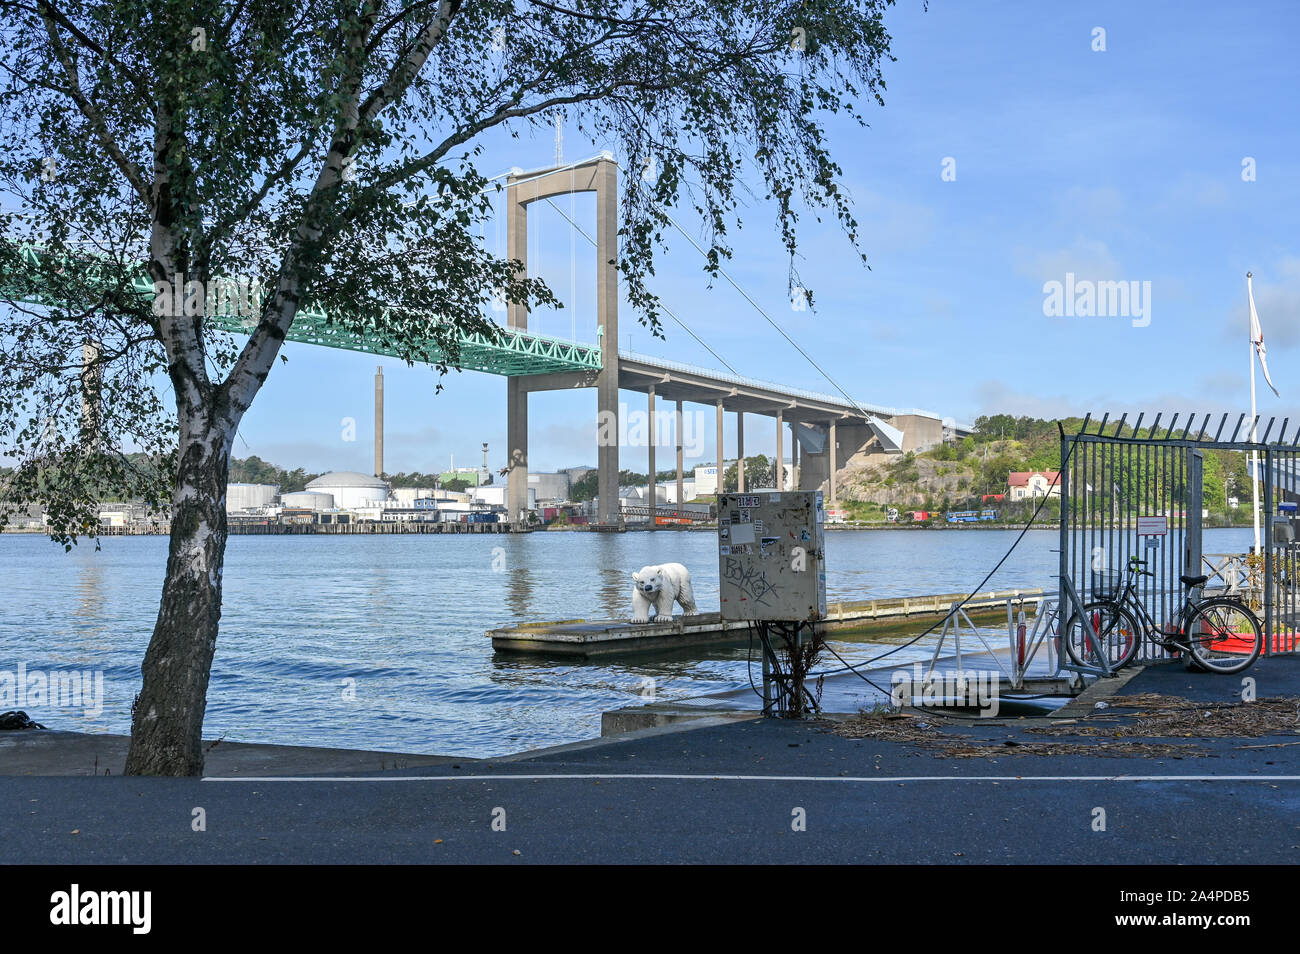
point(771, 556)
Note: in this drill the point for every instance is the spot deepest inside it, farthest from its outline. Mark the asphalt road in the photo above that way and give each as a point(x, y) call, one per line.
point(862, 801)
point(743, 792)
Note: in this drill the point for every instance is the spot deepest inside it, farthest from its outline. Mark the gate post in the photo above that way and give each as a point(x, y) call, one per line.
point(1192, 549)
point(1267, 518)
point(1063, 569)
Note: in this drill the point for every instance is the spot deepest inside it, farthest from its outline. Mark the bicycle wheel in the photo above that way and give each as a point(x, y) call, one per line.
point(1112, 627)
point(1224, 636)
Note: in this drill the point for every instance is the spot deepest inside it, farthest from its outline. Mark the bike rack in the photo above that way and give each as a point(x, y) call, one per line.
point(1072, 598)
point(952, 623)
point(1036, 638)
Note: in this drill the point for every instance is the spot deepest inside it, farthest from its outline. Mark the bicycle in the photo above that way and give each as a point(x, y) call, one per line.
point(1219, 634)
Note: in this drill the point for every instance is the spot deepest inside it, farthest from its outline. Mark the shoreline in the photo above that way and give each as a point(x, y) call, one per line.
point(36, 753)
point(630, 528)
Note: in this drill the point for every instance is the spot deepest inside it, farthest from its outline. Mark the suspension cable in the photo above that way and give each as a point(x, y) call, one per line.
point(668, 311)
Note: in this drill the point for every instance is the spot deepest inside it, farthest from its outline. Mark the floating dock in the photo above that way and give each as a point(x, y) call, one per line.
point(600, 637)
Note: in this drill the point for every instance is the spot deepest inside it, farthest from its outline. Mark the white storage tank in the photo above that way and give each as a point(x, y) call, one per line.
point(250, 496)
point(406, 496)
point(549, 486)
point(310, 499)
point(350, 489)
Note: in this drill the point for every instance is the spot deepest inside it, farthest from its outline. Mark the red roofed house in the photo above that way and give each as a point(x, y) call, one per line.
point(1033, 483)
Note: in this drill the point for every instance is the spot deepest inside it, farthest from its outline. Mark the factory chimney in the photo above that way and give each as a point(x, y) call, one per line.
point(379, 422)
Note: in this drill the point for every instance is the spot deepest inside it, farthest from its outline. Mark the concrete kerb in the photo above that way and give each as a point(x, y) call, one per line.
point(684, 722)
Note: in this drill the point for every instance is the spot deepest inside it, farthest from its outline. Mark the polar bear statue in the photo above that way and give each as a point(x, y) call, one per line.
point(660, 586)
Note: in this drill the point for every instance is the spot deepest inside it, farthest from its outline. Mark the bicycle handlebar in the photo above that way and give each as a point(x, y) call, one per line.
point(1134, 563)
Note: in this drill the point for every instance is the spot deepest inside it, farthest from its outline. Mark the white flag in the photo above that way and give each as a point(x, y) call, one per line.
point(1257, 334)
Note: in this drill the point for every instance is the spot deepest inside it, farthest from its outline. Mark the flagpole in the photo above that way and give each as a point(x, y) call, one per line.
point(1254, 477)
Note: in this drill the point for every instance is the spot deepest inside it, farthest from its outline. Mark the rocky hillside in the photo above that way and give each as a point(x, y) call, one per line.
point(956, 476)
point(938, 479)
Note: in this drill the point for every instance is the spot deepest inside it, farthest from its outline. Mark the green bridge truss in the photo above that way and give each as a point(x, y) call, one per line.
point(508, 352)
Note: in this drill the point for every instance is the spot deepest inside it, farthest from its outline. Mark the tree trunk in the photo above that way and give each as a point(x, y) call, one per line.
point(167, 722)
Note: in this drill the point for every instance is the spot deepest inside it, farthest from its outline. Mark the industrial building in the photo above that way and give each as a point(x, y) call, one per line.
point(307, 500)
point(495, 496)
point(706, 479)
point(251, 496)
point(350, 489)
point(548, 487)
point(408, 495)
point(348, 496)
point(470, 476)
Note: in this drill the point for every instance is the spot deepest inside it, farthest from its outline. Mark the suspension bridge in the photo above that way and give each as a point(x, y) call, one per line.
point(825, 429)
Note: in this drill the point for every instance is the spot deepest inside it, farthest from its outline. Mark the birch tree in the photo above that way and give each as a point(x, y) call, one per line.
point(328, 152)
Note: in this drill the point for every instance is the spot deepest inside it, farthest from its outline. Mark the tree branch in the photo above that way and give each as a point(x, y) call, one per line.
point(125, 165)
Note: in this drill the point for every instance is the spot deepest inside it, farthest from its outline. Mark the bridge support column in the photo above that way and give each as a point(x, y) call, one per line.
point(606, 184)
point(650, 452)
point(517, 442)
point(796, 478)
point(677, 430)
point(722, 468)
point(830, 447)
point(92, 408)
point(778, 472)
point(516, 392)
point(379, 421)
point(740, 452)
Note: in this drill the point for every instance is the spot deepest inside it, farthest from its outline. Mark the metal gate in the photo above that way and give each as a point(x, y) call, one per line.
point(1274, 580)
point(1129, 491)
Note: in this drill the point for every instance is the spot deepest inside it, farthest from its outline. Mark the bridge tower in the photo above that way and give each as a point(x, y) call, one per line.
point(600, 176)
point(92, 385)
point(379, 421)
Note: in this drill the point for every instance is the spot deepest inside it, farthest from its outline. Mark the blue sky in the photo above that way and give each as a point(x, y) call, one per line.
point(1117, 165)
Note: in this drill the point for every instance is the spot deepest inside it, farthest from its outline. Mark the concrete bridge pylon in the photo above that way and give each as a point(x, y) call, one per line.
point(599, 175)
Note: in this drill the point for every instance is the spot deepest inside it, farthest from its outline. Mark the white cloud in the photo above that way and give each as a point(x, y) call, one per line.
point(1195, 189)
point(1088, 259)
point(995, 397)
point(887, 223)
point(1091, 204)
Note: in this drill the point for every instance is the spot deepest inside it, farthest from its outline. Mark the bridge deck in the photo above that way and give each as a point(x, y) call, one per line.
point(510, 352)
point(550, 363)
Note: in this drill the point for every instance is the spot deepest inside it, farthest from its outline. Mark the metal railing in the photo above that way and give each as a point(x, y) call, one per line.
point(1129, 491)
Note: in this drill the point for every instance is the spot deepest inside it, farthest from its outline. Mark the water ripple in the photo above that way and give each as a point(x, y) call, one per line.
point(378, 642)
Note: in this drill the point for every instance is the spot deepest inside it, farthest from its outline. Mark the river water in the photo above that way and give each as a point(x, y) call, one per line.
point(405, 617)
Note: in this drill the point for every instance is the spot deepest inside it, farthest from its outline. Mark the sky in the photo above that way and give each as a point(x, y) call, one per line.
point(1131, 163)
